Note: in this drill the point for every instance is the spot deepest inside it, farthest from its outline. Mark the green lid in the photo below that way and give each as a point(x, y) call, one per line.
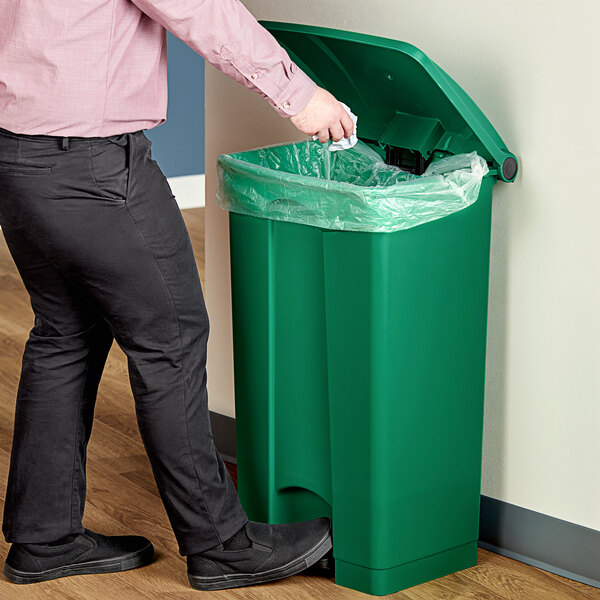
point(401, 97)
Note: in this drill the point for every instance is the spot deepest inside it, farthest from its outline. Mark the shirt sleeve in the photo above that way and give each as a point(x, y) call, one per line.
point(228, 36)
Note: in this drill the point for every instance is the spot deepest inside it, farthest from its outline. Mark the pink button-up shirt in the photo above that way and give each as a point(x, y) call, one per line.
point(99, 67)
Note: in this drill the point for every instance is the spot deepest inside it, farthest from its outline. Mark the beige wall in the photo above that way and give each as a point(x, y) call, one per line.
point(533, 69)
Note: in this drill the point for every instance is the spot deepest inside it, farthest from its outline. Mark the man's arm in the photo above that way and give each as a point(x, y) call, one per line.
point(228, 36)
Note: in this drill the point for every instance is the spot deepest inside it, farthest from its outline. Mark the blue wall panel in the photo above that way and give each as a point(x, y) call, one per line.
point(178, 144)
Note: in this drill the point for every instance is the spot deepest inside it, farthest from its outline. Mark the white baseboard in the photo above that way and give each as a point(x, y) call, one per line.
point(188, 190)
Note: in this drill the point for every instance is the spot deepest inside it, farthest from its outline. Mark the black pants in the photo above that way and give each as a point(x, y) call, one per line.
point(103, 250)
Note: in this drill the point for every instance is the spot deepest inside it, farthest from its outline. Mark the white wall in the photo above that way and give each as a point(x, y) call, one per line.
point(533, 69)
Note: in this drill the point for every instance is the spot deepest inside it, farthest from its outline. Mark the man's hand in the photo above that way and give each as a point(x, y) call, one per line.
point(324, 116)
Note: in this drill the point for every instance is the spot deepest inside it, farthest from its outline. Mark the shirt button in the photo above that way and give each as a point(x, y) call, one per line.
point(254, 75)
point(286, 105)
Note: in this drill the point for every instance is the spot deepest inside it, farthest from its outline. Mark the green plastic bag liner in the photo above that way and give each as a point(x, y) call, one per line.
point(349, 190)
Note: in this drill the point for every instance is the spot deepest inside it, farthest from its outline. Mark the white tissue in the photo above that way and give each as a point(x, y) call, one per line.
point(344, 143)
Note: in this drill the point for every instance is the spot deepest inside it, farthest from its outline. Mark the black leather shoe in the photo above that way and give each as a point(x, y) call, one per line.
point(275, 552)
point(84, 553)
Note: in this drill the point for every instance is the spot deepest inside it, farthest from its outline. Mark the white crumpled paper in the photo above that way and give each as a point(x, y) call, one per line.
point(344, 143)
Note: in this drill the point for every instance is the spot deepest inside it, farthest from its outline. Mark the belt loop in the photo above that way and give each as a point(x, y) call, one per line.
point(64, 143)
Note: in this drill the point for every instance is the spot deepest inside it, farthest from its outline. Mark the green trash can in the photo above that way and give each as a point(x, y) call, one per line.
point(359, 343)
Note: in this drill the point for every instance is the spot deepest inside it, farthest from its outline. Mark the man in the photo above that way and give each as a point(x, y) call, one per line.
point(102, 248)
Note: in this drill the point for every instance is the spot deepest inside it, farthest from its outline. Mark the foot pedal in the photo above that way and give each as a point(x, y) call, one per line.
point(323, 567)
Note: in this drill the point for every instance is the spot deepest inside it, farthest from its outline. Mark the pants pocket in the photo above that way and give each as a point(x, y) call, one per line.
point(24, 168)
point(109, 166)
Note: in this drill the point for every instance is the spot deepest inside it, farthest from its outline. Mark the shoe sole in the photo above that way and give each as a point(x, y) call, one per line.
point(139, 558)
point(222, 582)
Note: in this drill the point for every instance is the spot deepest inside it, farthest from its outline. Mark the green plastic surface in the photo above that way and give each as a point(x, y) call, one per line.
point(359, 376)
point(401, 97)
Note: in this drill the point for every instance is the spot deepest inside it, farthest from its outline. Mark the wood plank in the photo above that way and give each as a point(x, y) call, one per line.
point(513, 580)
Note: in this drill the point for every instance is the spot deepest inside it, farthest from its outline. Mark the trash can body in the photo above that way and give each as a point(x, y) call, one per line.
point(359, 356)
point(359, 376)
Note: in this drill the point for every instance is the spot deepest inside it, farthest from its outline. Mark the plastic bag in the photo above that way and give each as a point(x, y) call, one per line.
point(350, 190)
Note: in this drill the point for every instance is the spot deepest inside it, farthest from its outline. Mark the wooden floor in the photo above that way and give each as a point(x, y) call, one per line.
point(122, 497)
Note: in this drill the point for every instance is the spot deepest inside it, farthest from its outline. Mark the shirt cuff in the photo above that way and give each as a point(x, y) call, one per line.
point(296, 94)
